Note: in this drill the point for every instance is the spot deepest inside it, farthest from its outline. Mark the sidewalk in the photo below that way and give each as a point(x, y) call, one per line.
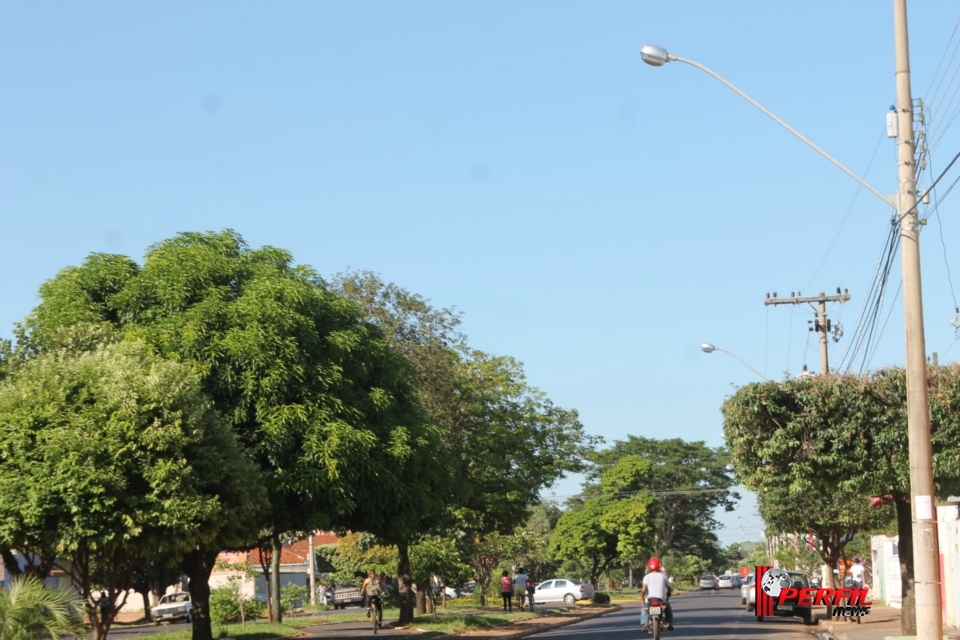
point(883, 623)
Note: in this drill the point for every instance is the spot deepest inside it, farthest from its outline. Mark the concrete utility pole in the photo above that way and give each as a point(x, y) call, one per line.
point(926, 564)
point(312, 568)
point(822, 325)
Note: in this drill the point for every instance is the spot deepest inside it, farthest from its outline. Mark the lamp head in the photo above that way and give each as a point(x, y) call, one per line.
point(655, 55)
point(707, 347)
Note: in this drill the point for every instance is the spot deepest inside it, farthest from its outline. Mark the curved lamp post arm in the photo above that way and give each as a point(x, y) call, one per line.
point(887, 199)
point(744, 363)
point(706, 347)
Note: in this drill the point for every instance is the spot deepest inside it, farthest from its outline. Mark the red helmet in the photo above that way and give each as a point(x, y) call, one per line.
point(654, 564)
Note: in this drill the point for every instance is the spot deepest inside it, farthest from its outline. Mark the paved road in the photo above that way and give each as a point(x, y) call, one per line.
point(717, 616)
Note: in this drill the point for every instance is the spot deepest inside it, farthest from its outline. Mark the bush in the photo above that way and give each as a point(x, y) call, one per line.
point(225, 606)
point(600, 597)
point(292, 596)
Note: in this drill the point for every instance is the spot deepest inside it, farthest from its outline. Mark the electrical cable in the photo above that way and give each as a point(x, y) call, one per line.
point(849, 209)
point(944, 55)
point(896, 296)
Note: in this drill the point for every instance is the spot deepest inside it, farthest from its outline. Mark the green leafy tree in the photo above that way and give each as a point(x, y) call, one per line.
point(834, 518)
point(826, 435)
point(485, 554)
point(109, 457)
point(31, 611)
point(313, 391)
point(437, 557)
point(685, 567)
point(504, 439)
point(604, 531)
point(694, 480)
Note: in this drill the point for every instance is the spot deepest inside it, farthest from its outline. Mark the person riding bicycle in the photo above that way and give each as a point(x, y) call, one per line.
point(655, 585)
point(373, 591)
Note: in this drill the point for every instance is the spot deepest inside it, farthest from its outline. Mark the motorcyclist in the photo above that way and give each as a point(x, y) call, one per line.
point(655, 585)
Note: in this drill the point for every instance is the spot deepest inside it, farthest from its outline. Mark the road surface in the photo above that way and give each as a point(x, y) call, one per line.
point(716, 616)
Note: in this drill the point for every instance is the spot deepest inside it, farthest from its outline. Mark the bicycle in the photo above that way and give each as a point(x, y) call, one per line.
point(375, 611)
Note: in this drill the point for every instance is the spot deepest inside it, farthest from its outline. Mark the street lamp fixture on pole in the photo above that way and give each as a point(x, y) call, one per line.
point(926, 552)
point(706, 347)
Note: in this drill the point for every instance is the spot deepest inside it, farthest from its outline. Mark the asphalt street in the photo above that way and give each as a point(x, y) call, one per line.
point(709, 615)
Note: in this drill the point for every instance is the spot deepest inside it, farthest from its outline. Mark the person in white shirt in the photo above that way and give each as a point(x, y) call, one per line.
point(655, 585)
point(856, 573)
point(520, 588)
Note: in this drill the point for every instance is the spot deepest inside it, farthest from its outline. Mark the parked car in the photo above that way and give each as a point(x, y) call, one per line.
point(708, 583)
point(467, 588)
point(789, 608)
point(725, 582)
point(737, 581)
point(345, 595)
point(563, 590)
point(173, 606)
point(745, 585)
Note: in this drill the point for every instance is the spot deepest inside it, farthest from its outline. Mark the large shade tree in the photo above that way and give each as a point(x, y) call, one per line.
point(613, 526)
point(691, 480)
point(845, 435)
point(313, 391)
point(505, 440)
point(112, 457)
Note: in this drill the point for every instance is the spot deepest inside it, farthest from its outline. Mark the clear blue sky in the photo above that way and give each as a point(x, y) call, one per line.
point(594, 217)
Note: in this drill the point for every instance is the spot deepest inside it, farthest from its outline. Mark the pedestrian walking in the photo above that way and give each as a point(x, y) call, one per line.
point(506, 591)
point(531, 589)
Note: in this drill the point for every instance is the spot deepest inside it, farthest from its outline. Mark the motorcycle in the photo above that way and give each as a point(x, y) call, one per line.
point(657, 616)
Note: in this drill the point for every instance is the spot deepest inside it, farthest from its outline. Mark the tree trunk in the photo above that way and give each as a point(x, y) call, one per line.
point(443, 594)
point(10, 562)
point(908, 615)
point(421, 599)
point(404, 582)
point(198, 565)
point(276, 615)
point(144, 592)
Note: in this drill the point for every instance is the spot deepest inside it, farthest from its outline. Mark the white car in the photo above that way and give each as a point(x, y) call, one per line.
point(725, 582)
point(173, 606)
point(745, 587)
point(563, 590)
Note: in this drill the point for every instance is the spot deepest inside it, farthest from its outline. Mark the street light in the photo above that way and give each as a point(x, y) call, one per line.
point(925, 547)
point(706, 347)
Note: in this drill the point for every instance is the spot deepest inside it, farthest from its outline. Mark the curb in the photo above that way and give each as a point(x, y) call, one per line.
point(530, 632)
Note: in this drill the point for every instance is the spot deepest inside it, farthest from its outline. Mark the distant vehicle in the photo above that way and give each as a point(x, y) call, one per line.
point(345, 595)
point(737, 581)
point(467, 588)
point(725, 582)
point(790, 608)
point(173, 606)
point(563, 590)
point(745, 585)
point(708, 583)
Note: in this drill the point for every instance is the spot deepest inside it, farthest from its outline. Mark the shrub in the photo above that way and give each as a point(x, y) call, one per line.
point(292, 596)
point(223, 606)
point(600, 597)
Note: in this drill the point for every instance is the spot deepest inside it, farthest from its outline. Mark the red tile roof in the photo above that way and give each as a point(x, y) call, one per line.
point(292, 554)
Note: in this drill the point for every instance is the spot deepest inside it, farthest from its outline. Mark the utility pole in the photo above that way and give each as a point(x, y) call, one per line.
point(926, 565)
point(821, 325)
point(312, 568)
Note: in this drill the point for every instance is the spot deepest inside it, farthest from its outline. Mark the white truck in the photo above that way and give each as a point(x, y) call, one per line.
point(173, 606)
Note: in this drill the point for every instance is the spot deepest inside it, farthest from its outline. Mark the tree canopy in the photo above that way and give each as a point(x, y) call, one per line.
point(111, 456)
point(844, 435)
point(314, 392)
